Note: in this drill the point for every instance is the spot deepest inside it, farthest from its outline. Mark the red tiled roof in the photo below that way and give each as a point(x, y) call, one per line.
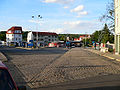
point(44, 33)
point(12, 29)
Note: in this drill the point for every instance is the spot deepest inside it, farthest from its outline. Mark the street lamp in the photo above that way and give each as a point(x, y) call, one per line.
point(39, 16)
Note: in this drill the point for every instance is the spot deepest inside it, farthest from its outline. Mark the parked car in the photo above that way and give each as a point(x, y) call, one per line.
point(6, 80)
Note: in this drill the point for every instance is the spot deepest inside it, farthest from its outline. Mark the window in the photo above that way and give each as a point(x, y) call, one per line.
point(55, 36)
point(41, 39)
point(34, 35)
point(35, 39)
point(17, 31)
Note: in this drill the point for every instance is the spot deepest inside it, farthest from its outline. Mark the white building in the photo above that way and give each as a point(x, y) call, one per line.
point(117, 26)
point(42, 38)
point(14, 36)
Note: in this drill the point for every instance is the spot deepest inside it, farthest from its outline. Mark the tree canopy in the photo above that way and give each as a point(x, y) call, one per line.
point(103, 35)
point(3, 35)
point(109, 15)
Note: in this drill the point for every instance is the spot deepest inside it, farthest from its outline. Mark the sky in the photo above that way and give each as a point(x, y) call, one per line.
point(60, 16)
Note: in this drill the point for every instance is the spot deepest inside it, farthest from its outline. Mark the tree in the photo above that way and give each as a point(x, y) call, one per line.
point(103, 35)
point(24, 35)
point(109, 15)
point(106, 34)
point(95, 36)
point(3, 35)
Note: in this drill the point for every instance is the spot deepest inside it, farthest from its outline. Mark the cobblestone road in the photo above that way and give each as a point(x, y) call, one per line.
point(42, 69)
point(25, 65)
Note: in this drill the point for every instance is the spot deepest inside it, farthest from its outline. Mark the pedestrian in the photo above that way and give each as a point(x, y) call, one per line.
point(95, 45)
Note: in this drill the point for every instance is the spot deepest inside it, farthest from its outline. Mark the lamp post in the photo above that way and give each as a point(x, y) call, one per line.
point(39, 17)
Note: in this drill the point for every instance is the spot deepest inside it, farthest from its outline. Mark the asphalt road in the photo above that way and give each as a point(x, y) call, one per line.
point(58, 68)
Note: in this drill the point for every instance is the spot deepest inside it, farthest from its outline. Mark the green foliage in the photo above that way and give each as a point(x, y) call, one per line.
point(87, 41)
point(62, 37)
point(25, 35)
point(95, 36)
point(110, 50)
point(3, 35)
point(106, 34)
point(103, 36)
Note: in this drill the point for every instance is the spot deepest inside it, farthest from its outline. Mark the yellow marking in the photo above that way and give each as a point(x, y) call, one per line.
point(117, 59)
point(108, 57)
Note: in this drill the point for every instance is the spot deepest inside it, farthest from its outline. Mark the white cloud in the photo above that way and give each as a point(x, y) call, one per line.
point(36, 21)
point(59, 1)
point(78, 8)
point(82, 26)
point(66, 7)
point(25, 29)
point(82, 13)
point(58, 30)
point(72, 24)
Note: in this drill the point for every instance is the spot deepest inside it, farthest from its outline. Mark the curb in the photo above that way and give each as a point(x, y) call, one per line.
point(3, 58)
point(112, 58)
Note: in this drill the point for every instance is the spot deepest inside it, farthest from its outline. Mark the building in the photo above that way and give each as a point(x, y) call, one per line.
point(42, 38)
point(82, 37)
point(14, 36)
point(117, 26)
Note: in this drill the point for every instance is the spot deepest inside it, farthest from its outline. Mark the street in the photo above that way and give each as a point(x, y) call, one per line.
point(38, 69)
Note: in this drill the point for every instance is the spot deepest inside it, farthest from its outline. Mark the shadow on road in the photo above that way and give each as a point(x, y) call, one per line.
point(100, 88)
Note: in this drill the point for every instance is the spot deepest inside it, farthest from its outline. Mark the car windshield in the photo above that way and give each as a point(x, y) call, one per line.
point(6, 82)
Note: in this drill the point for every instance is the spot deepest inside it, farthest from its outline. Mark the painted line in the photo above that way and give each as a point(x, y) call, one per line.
point(109, 57)
point(118, 60)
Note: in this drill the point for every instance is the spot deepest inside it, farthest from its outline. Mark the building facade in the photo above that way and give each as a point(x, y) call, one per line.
point(42, 38)
point(14, 36)
point(117, 26)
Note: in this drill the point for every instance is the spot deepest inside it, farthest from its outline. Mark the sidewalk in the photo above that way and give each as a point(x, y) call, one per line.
point(2, 57)
point(107, 55)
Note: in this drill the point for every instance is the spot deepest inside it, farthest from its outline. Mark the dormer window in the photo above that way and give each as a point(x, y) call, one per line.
point(9, 32)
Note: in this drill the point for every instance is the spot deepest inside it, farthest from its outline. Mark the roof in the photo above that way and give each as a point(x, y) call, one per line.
point(45, 33)
point(12, 29)
point(2, 65)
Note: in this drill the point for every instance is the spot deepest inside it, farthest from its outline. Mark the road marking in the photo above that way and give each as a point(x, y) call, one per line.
point(118, 60)
point(108, 57)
